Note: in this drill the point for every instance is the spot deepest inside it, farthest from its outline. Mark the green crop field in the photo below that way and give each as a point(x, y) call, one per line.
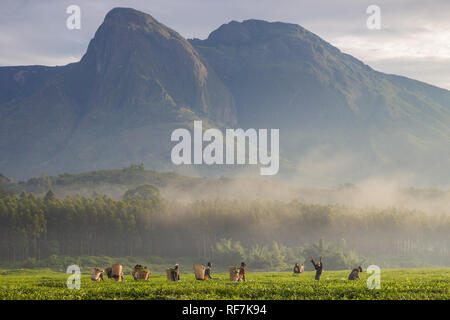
point(395, 284)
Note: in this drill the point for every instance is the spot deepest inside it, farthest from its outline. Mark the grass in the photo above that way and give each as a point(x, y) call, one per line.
point(395, 284)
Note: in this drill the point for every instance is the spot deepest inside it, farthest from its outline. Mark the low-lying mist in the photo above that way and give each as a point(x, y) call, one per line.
point(374, 192)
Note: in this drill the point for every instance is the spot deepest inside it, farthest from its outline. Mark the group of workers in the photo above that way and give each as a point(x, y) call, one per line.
point(318, 266)
point(174, 272)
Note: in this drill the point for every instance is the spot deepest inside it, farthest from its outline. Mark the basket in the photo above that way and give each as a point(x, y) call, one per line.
point(117, 271)
point(141, 275)
point(172, 275)
point(199, 271)
point(234, 274)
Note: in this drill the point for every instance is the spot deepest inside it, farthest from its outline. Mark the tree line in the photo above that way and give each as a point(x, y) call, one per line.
point(268, 233)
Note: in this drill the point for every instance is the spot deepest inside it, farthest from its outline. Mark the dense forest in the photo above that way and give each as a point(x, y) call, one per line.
point(267, 234)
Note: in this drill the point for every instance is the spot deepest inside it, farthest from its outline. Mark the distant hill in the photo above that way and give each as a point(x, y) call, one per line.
point(114, 182)
point(139, 80)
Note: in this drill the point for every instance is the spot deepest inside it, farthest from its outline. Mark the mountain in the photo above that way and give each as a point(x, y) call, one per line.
point(339, 119)
point(137, 82)
point(328, 104)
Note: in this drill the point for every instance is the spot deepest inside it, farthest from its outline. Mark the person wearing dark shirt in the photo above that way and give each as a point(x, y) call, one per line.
point(176, 273)
point(242, 271)
point(318, 266)
point(208, 271)
point(109, 272)
point(298, 268)
point(355, 273)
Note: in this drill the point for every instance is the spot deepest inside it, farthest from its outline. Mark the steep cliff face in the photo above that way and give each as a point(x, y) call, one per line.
point(143, 66)
point(137, 82)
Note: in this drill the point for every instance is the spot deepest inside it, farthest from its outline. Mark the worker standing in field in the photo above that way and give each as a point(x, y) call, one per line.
point(208, 271)
point(242, 272)
point(318, 266)
point(176, 272)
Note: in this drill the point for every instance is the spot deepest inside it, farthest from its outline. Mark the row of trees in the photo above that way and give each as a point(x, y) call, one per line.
point(269, 233)
point(280, 257)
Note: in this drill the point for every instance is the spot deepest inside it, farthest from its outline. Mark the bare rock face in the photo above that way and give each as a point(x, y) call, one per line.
point(137, 82)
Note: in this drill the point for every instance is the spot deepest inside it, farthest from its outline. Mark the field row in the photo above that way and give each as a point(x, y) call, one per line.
point(395, 284)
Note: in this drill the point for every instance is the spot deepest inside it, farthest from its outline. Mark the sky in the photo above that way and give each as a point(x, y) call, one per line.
point(414, 39)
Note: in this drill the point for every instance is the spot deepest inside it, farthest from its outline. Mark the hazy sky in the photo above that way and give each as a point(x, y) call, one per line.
point(414, 39)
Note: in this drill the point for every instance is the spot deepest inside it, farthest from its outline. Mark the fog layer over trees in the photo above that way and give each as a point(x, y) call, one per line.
point(267, 234)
